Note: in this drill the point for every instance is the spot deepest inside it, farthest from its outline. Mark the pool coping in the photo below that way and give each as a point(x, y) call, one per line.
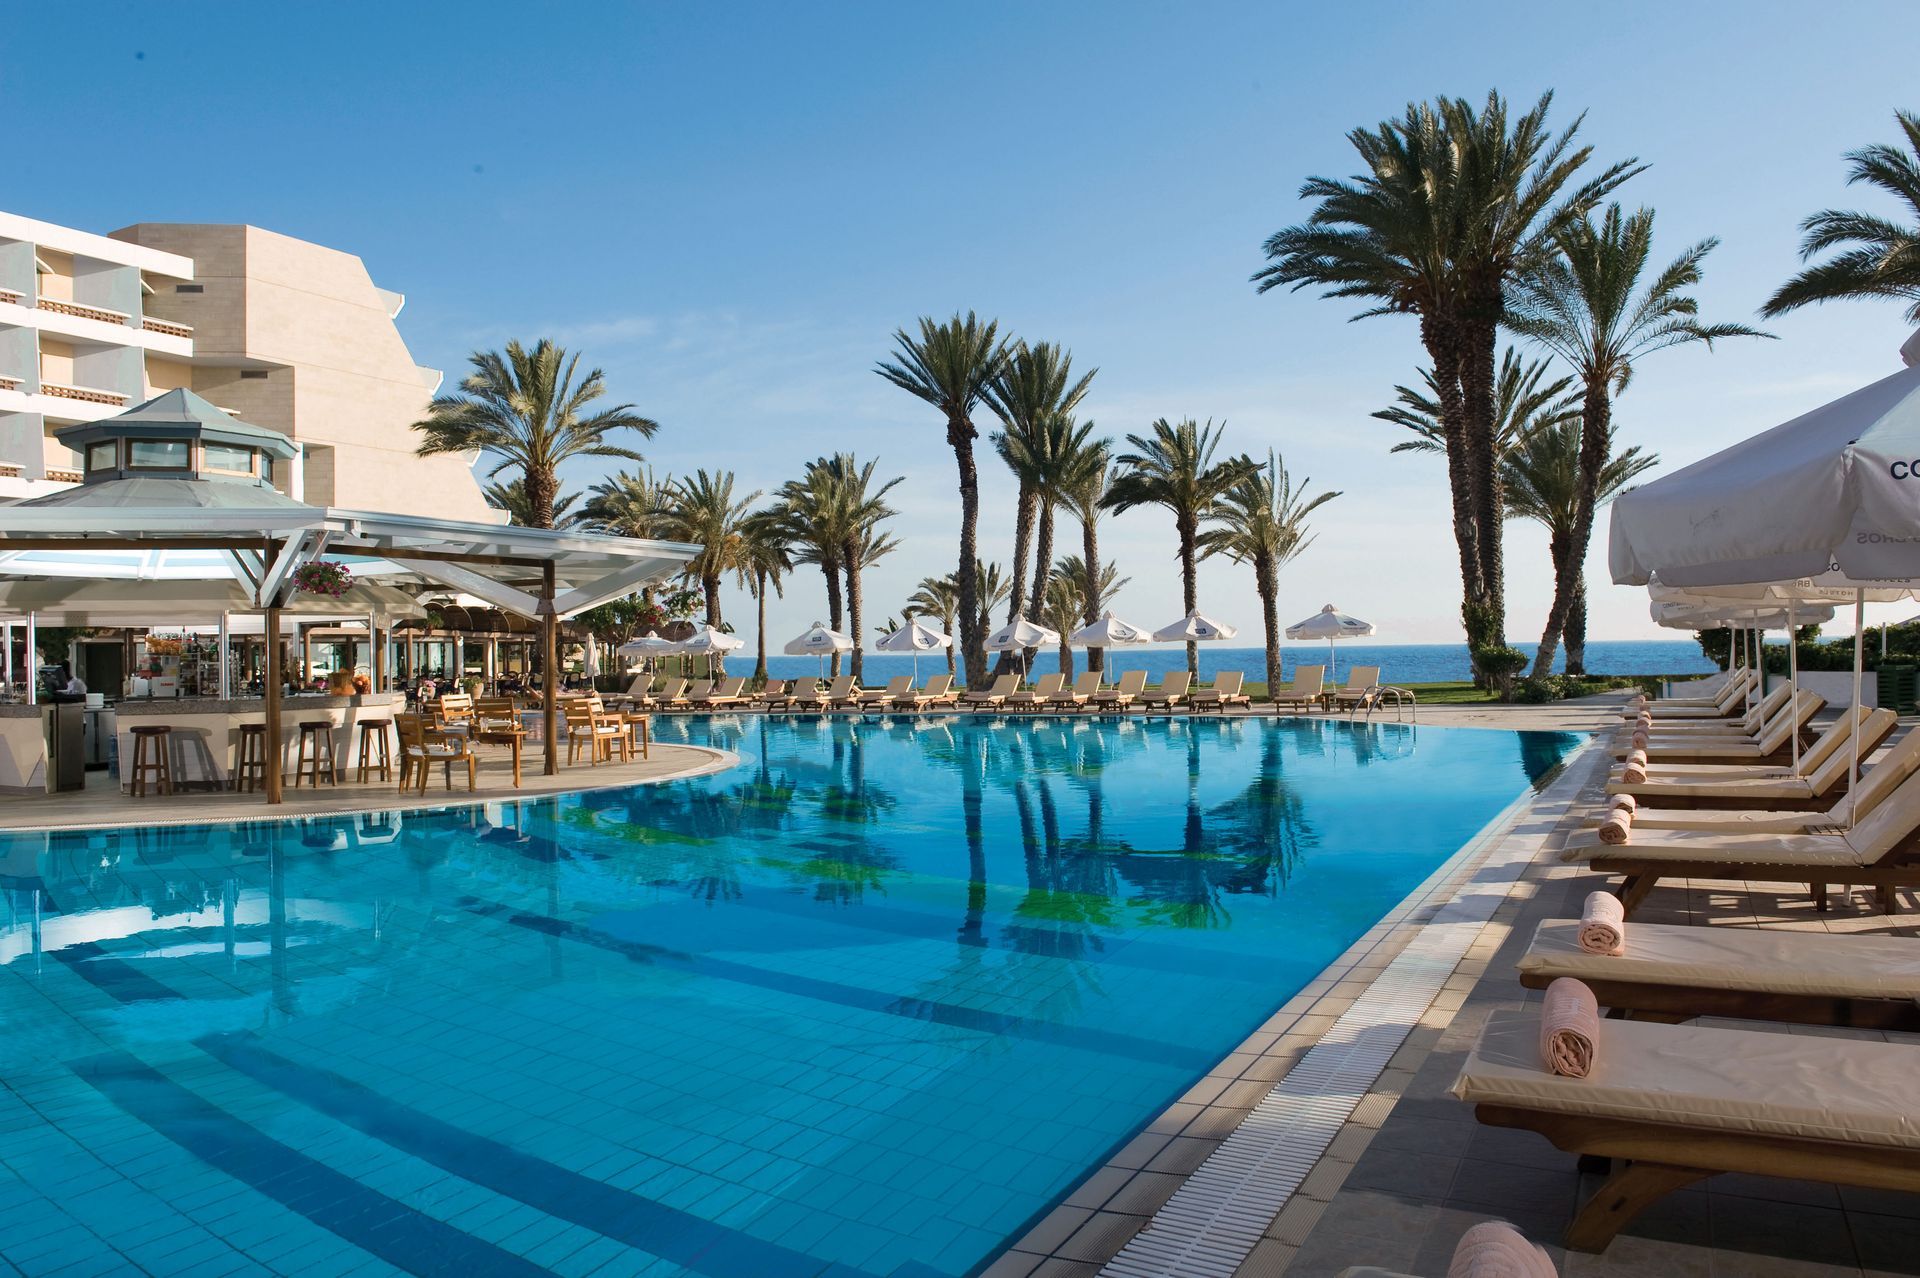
point(718, 761)
point(1102, 1225)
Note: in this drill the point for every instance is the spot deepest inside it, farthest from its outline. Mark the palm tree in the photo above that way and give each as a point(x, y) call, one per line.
point(1881, 258)
point(628, 503)
point(1543, 483)
point(1034, 387)
point(815, 519)
point(936, 597)
point(512, 498)
point(1524, 401)
point(859, 509)
point(1082, 490)
point(1174, 467)
point(1587, 306)
point(871, 546)
point(527, 409)
point(1454, 204)
point(703, 510)
point(995, 590)
point(949, 366)
point(1096, 590)
point(1059, 448)
point(1060, 610)
point(1262, 521)
point(765, 556)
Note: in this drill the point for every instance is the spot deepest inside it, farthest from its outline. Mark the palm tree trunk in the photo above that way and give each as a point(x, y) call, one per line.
point(542, 485)
point(947, 623)
point(1596, 433)
point(711, 585)
point(1264, 580)
point(853, 609)
point(1066, 656)
point(1576, 629)
point(1441, 338)
point(1090, 551)
point(1477, 402)
point(1187, 526)
point(1566, 575)
point(760, 605)
point(1026, 505)
point(830, 568)
point(966, 578)
point(1042, 570)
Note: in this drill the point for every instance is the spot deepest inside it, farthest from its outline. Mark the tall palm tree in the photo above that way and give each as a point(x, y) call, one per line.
point(529, 410)
point(1082, 490)
point(1544, 484)
point(1879, 257)
point(949, 366)
point(1262, 521)
point(1174, 467)
point(995, 589)
point(936, 597)
point(765, 557)
point(1524, 401)
point(859, 510)
point(628, 503)
point(814, 514)
point(1035, 386)
point(1454, 204)
point(512, 498)
point(1587, 305)
point(1060, 610)
point(871, 546)
point(1059, 448)
point(1096, 589)
point(704, 511)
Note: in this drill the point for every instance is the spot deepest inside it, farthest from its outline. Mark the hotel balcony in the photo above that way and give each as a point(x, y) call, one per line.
point(81, 321)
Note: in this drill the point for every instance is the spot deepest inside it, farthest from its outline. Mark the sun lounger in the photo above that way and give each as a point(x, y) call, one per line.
point(807, 685)
point(1122, 694)
point(1749, 724)
point(1674, 973)
point(1821, 773)
point(809, 695)
point(772, 695)
point(937, 692)
point(664, 693)
point(1224, 692)
point(1674, 1104)
point(1360, 690)
point(1876, 783)
point(693, 692)
point(992, 696)
point(1171, 692)
point(1726, 703)
point(1306, 690)
point(726, 692)
point(1774, 741)
point(1876, 852)
point(1038, 695)
point(897, 687)
point(843, 691)
point(1084, 686)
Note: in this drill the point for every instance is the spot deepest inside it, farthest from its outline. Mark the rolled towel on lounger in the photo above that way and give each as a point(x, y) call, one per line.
point(1495, 1249)
point(1640, 739)
point(1635, 770)
point(1603, 925)
point(1617, 828)
point(1626, 801)
point(1569, 1024)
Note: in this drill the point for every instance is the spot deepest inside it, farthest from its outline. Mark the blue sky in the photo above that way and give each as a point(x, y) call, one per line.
point(731, 208)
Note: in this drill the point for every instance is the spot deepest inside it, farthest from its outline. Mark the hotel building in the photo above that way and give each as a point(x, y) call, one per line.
point(281, 333)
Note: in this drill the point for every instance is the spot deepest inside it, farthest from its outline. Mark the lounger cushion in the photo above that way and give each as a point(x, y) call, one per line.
point(1815, 851)
point(1721, 821)
point(1851, 1091)
point(1759, 960)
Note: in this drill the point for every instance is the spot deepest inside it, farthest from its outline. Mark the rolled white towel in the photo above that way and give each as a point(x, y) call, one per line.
point(1635, 770)
point(1603, 925)
point(1617, 828)
point(1626, 801)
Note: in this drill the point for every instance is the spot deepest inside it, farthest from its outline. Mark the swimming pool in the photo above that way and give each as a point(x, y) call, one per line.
point(860, 1006)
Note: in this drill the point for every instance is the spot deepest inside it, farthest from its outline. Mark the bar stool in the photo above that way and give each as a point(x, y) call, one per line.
point(373, 733)
point(320, 736)
point(150, 740)
point(251, 773)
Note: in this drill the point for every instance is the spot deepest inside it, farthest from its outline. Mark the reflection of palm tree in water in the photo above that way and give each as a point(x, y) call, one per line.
point(1265, 825)
point(1542, 752)
point(855, 863)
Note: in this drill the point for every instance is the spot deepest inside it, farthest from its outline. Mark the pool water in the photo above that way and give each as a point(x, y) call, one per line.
point(862, 1005)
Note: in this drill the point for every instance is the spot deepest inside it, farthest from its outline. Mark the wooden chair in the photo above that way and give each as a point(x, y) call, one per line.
point(453, 712)
point(422, 746)
point(597, 730)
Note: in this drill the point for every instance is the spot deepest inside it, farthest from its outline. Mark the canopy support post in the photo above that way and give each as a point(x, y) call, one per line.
point(7, 657)
point(550, 673)
point(272, 690)
point(1793, 679)
point(1859, 657)
point(226, 673)
point(33, 661)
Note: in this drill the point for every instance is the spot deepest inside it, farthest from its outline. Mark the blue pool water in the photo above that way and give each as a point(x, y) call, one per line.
point(861, 1006)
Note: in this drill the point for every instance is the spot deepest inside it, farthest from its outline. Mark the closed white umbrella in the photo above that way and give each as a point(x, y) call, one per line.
point(1021, 634)
point(818, 641)
point(1330, 624)
point(914, 637)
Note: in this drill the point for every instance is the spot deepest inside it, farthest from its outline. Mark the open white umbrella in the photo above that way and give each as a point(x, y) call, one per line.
point(1021, 634)
point(1109, 632)
point(713, 643)
point(916, 638)
point(1330, 624)
point(1195, 627)
point(818, 641)
point(649, 646)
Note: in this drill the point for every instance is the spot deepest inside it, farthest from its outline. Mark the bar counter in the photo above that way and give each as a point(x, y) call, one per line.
point(204, 744)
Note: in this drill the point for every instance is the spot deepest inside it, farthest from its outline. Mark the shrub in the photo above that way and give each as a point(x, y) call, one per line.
point(1500, 665)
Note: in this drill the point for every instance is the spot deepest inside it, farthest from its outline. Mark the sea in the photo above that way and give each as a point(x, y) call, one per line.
point(1400, 663)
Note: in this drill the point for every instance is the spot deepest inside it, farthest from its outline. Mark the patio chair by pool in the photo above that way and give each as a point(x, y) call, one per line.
point(1122, 694)
point(1811, 783)
point(667, 692)
point(1224, 692)
point(1749, 723)
point(1675, 973)
point(897, 687)
point(842, 691)
point(804, 691)
point(597, 730)
point(1675, 1104)
point(1309, 682)
point(422, 746)
point(772, 694)
point(1773, 742)
point(453, 712)
point(727, 692)
point(1084, 686)
point(1171, 692)
point(1723, 705)
point(689, 693)
point(1038, 695)
point(993, 696)
point(1361, 689)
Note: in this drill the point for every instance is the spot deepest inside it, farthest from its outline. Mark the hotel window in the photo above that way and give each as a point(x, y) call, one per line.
point(157, 454)
point(228, 459)
point(103, 454)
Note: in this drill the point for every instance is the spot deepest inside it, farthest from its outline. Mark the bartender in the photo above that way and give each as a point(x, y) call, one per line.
point(76, 686)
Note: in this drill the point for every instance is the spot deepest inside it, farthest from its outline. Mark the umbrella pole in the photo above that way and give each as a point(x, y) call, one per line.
point(1859, 656)
point(1793, 679)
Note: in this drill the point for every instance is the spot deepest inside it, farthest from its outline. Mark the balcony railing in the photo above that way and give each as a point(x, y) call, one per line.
point(64, 476)
point(168, 327)
point(11, 470)
point(9, 383)
point(10, 297)
point(86, 394)
point(81, 311)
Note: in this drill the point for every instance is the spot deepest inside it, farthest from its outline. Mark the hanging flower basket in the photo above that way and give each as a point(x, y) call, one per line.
point(323, 577)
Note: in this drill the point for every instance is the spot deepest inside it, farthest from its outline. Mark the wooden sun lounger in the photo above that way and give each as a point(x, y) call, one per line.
point(1820, 775)
point(1747, 726)
point(1224, 692)
point(1675, 1104)
point(1307, 690)
point(1122, 694)
point(992, 696)
point(1725, 704)
point(1674, 973)
point(811, 696)
point(842, 691)
point(1775, 743)
point(937, 692)
point(1040, 694)
point(1084, 686)
point(724, 693)
point(897, 687)
point(1171, 692)
point(1361, 689)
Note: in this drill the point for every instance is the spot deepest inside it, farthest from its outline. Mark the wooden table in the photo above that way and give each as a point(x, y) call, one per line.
point(515, 737)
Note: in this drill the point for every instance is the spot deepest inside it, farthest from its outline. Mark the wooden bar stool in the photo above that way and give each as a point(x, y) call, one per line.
point(150, 759)
point(307, 762)
point(251, 772)
point(373, 734)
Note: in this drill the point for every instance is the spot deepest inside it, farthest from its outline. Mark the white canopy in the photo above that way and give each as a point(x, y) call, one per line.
point(1329, 623)
point(649, 646)
point(1834, 488)
point(1109, 632)
point(818, 641)
point(1195, 627)
point(915, 637)
point(1828, 587)
point(1021, 633)
point(1710, 616)
point(69, 601)
point(708, 640)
